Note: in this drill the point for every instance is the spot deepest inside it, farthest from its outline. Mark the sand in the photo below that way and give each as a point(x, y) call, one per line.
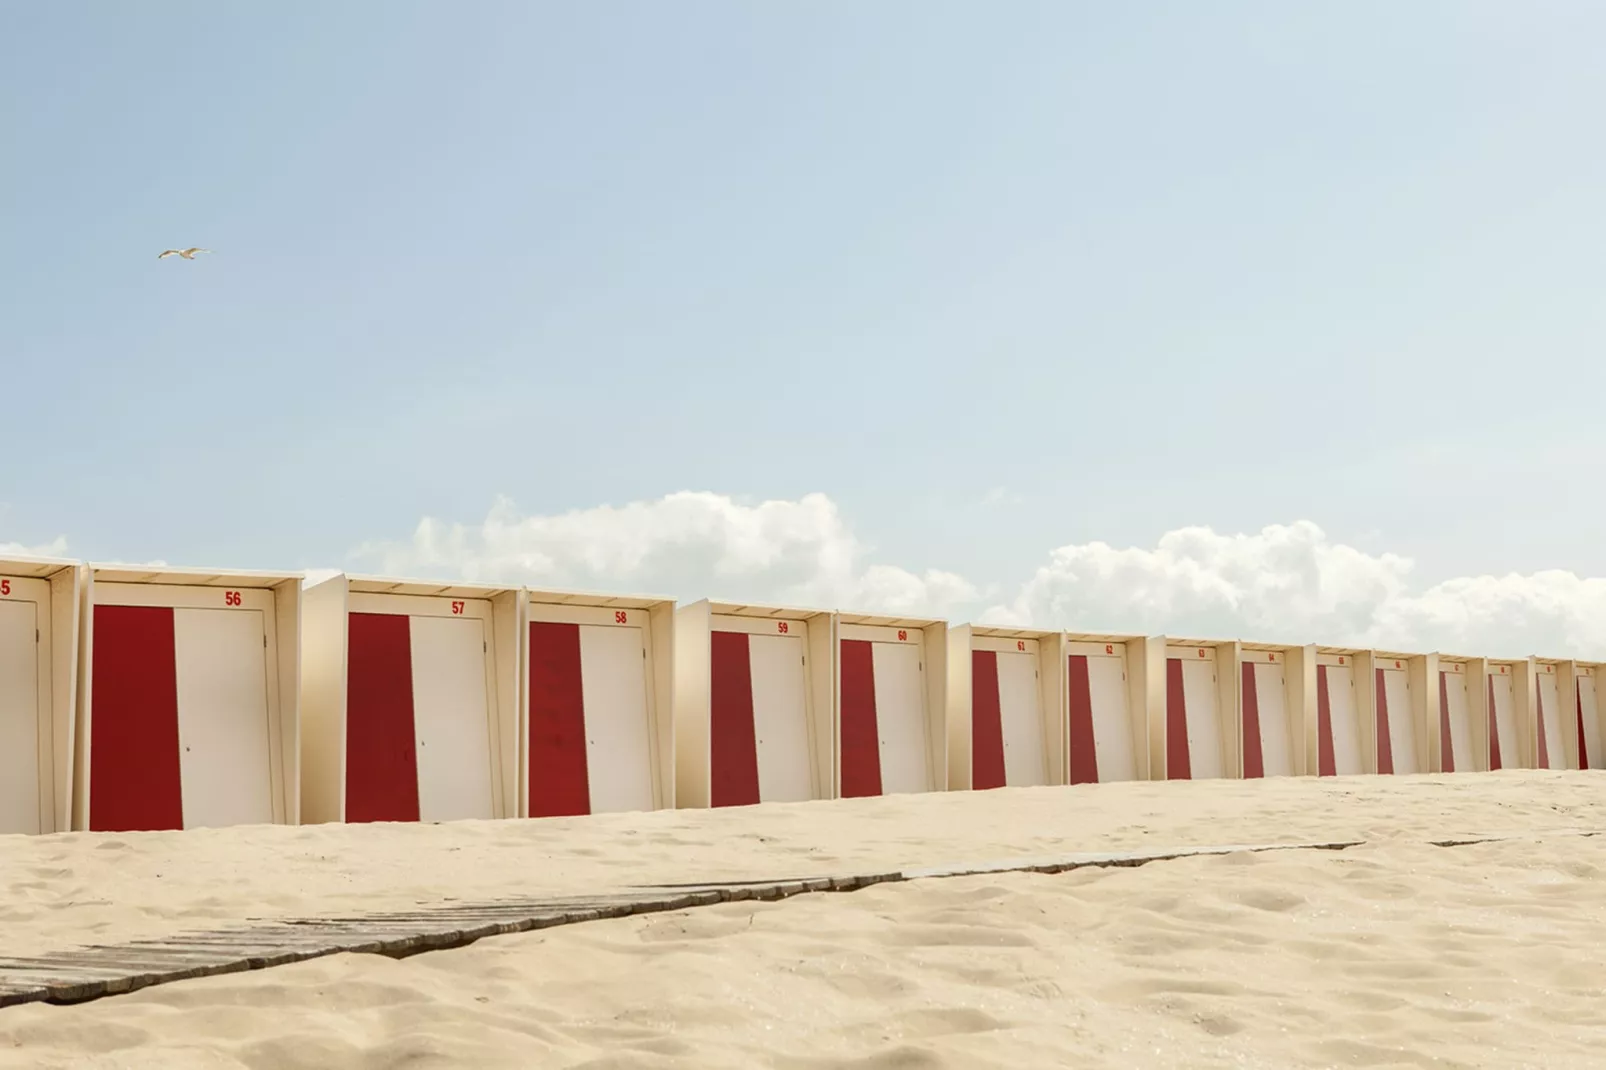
point(1392, 954)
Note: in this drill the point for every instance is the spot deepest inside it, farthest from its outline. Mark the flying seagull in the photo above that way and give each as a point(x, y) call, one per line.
point(187, 254)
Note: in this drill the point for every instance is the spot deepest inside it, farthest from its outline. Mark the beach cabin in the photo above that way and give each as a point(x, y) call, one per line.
point(1458, 715)
point(188, 699)
point(1400, 712)
point(1114, 691)
point(1579, 695)
point(1197, 739)
point(1508, 685)
point(598, 704)
point(1006, 708)
point(1276, 691)
point(410, 700)
point(39, 606)
point(1343, 739)
point(891, 705)
point(754, 704)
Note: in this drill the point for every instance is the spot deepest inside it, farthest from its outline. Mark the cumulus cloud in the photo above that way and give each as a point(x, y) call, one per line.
point(1285, 583)
point(56, 547)
point(689, 544)
point(1292, 583)
point(1283, 580)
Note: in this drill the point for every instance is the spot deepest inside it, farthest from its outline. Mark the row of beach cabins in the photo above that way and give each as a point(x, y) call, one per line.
point(139, 698)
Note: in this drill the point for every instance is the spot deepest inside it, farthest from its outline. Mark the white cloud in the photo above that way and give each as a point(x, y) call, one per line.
point(1291, 583)
point(1285, 580)
point(689, 544)
point(1286, 583)
point(56, 547)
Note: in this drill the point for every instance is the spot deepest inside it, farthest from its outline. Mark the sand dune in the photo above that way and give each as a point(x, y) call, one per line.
point(1392, 954)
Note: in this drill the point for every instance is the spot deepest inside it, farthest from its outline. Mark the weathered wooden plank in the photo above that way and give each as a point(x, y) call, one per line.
point(15, 995)
point(1084, 859)
point(91, 971)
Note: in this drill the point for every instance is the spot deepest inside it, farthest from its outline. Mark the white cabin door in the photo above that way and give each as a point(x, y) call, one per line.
point(224, 754)
point(901, 716)
point(613, 675)
point(450, 726)
point(1020, 712)
point(24, 741)
point(1343, 720)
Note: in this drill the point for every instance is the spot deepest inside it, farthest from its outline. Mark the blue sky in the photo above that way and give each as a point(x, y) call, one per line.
point(995, 278)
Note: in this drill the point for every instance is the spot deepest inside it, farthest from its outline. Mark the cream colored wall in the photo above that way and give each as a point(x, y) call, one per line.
point(323, 702)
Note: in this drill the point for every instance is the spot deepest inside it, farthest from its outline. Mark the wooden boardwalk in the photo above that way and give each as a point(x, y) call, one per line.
point(92, 971)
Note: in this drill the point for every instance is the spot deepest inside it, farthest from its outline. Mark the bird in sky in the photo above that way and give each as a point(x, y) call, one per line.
point(187, 254)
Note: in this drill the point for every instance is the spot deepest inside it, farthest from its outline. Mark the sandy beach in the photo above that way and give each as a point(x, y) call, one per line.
point(1396, 953)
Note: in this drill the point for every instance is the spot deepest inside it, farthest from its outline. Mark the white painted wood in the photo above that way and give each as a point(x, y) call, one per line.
point(1457, 709)
point(882, 633)
point(184, 597)
point(418, 605)
point(1550, 706)
point(1344, 720)
point(1112, 715)
point(1095, 648)
point(1589, 710)
point(565, 613)
point(781, 716)
point(223, 735)
point(1271, 698)
point(1203, 715)
point(900, 708)
point(1004, 644)
point(613, 679)
point(1503, 687)
point(20, 736)
point(451, 724)
point(1020, 710)
point(792, 626)
point(1402, 736)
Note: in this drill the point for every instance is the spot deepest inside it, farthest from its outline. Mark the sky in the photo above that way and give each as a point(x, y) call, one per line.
point(1245, 319)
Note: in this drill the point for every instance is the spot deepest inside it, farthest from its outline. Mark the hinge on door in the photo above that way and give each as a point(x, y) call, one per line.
point(36, 635)
point(264, 640)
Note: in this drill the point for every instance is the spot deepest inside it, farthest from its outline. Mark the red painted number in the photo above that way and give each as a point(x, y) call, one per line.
point(1201, 653)
point(1396, 665)
point(1271, 657)
point(1341, 659)
point(231, 598)
point(620, 616)
point(5, 586)
point(1109, 649)
point(457, 609)
point(1020, 644)
point(902, 635)
point(780, 626)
